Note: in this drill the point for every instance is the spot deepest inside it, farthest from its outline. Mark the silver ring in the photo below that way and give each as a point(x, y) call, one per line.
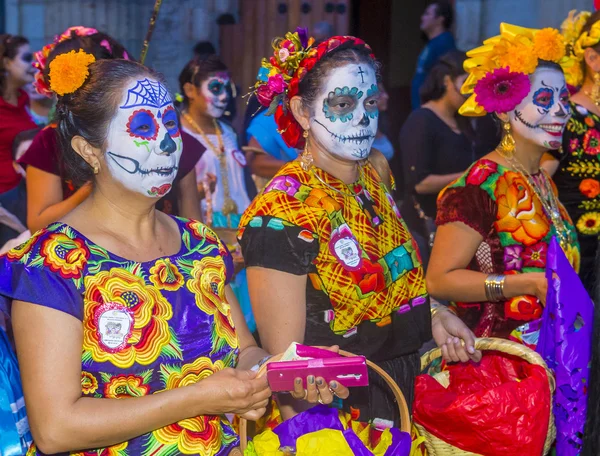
point(320, 401)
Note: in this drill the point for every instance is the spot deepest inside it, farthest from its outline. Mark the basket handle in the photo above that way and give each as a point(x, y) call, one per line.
point(502, 345)
point(405, 424)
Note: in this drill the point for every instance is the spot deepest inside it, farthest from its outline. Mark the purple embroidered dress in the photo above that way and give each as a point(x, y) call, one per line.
point(147, 327)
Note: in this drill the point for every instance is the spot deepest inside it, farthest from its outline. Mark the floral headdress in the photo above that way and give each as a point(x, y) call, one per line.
point(498, 71)
point(577, 43)
point(69, 71)
point(279, 76)
point(41, 57)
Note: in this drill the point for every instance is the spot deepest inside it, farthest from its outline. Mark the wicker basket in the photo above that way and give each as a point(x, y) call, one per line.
point(405, 424)
point(436, 446)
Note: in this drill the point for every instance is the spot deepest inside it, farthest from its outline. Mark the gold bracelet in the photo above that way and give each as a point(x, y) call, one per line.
point(494, 287)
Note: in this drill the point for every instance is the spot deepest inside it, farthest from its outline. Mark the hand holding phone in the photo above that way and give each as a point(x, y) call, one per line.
point(349, 372)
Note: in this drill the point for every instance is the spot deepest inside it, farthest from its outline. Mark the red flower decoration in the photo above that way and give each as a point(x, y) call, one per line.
point(369, 277)
point(289, 128)
point(534, 256)
point(481, 171)
point(524, 308)
point(264, 95)
point(591, 142)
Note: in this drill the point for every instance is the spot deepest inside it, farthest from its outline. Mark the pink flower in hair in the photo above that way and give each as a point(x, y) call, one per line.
point(502, 90)
point(276, 84)
point(106, 45)
point(264, 95)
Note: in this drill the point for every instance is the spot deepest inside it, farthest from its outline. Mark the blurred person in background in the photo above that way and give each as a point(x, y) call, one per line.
point(381, 142)
point(16, 72)
point(436, 24)
point(322, 31)
point(436, 145)
point(40, 106)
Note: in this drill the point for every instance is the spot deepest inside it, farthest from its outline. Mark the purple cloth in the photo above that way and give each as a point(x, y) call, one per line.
point(312, 420)
point(565, 344)
point(324, 417)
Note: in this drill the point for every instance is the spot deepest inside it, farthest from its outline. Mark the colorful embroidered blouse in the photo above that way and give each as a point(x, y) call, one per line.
point(498, 204)
point(147, 327)
point(366, 291)
point(578, 183)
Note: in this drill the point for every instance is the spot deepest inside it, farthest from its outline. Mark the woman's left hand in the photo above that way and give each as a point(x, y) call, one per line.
point(456, 340)
point(318, 391)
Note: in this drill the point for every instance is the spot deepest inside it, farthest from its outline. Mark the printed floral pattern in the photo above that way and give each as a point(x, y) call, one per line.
point(89, 384)
point(65, 255)
point(165, 276)
point(198, 435)
point(518, 212)
point(320, 199)
point(500, 205)
point(589, 223)
point(151, 313)
point(122, 386)
point(147, 307)
point(481, 171)
point(207, 282)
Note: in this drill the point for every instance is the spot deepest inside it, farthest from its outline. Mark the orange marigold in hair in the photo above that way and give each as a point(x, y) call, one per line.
point(548, 44)
point(69, 71)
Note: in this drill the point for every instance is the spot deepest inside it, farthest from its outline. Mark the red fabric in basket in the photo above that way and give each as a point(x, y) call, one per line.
point(498, 407)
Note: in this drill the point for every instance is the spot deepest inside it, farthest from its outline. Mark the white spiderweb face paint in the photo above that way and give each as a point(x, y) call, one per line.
point(346, 113)
point(543, 114)
point(144, 142)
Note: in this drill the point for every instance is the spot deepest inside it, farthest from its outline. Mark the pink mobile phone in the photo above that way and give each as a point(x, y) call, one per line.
point(306, 351)
point(350, 372)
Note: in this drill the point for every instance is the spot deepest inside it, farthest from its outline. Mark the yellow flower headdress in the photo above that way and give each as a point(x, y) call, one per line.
point(498, 67)
point(69, 71)
point(577, 43)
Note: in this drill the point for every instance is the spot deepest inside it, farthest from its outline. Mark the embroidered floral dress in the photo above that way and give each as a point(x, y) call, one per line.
point(498, 204)
point(578, 183)
point(147, 327)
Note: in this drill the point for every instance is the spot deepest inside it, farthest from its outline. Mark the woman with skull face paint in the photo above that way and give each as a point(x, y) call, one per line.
point(575, 168)
point(496, 221)
point(326, 230)
point(119, 301)
point(204, 82)
point(50, 193)
point(15, 72)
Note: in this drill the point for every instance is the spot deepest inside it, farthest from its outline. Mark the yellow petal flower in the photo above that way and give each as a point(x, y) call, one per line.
point(69, 71)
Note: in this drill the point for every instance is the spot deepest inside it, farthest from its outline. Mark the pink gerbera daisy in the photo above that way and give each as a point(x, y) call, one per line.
point(502, 90)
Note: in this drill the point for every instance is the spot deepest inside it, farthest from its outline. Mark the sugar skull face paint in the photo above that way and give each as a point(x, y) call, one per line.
point(543, 114)
point(214, 90)
point(346, 113)
point(144, 142)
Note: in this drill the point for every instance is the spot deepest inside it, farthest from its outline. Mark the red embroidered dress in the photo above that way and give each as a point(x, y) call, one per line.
point(498, 203)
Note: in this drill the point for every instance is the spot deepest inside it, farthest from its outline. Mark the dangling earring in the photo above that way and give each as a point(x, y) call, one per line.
point(595, 95)
point(306, 158)
point(507, 144)
point(96, 170)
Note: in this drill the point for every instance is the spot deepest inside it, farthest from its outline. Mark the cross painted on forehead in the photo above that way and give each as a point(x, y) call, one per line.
point(147, 93)
point(361, 72)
